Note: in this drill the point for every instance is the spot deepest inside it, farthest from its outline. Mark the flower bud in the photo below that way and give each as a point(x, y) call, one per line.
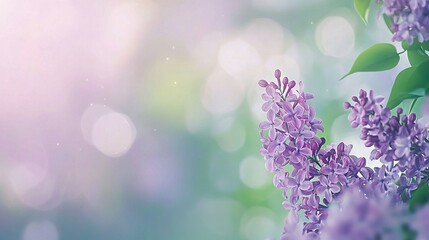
point(277, 74)
point(263, 83)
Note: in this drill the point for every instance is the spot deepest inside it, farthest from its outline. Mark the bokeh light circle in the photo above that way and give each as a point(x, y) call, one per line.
point(222, 93)
point(113, 134)
point(237, 57)
point(253, 174)
point(40, 230)
point(335, 37)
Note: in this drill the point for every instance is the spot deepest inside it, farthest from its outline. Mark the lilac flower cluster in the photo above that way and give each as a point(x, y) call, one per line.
point(361, 215)
point(410, 19)
point(397, 140)
point(317, 175)
point(313, 177)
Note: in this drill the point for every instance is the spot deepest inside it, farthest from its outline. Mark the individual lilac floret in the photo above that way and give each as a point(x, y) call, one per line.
point(420, 223)
point(397, 140)
point(410, 19)
point(360, 216)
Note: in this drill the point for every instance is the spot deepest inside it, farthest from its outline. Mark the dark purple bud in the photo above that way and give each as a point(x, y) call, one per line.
point(313, 146)
point(263, 83)
point(347, 105)
point(404, 119)
point(340, 147)
point(393, 122)
point(355, 99)
point(277, 74)
point(399, 111)
point(412, 117)
point(362, 94)
point(361, 163)
point(285, 82)
point(313, 171)
point(291, 84)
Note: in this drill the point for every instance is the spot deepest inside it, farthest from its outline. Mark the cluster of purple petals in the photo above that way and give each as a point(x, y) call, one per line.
point(364, 215)
point(397, 140)
point(410, 19)
point(420, 223)
point(317, 175)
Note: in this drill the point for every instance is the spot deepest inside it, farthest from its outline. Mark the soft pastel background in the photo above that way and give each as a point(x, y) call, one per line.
point(138, 119)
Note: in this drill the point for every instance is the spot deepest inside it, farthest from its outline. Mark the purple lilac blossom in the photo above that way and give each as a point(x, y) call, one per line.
point(313, 177)
point(356, 215)
point(420, 223)
point(410, 19)
point(317, 175)
point(397, 140)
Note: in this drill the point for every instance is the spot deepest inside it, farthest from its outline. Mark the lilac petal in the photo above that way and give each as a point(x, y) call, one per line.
point(328, 196)
point(264, 125)
point(289, 206)
point(313, 201)
point(296, 122)
point(270, 91)
point(277, 122)
point(272, 133)
point(335, 188)
point(290, 182)
point(275, 107)
point(287, 107)
point(306, 185)
point(299, 110)
point(360, 163)
point(334, 178)
point(266, 97)
point(308, 134)
point(300, 176)
point(325, 170)
point(271, 116)
point(294, 158)
point(400, 151)
point(341, 170)
point(324, 181)
point(266, 106)
point(320, 189)
point(269, 165)
point(281, 161)
point(305, 151)
point(293, 217)
point(294, 196)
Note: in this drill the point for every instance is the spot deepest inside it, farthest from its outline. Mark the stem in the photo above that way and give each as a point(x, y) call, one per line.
point(313, 159)
point(412, 105)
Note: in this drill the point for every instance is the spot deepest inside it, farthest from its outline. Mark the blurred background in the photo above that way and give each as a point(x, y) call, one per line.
point(138, 119)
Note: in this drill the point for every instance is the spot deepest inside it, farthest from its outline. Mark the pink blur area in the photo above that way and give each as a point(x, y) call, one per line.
point(57, 59)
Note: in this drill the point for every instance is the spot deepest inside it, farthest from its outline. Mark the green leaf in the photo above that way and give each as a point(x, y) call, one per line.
point(414, 46)
point(388, 20)
point(411, 83)
point(425, 45)
point(362, 8)
point(380, 57)
point(409, 233)
point(419, 197)
point(417, 56)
